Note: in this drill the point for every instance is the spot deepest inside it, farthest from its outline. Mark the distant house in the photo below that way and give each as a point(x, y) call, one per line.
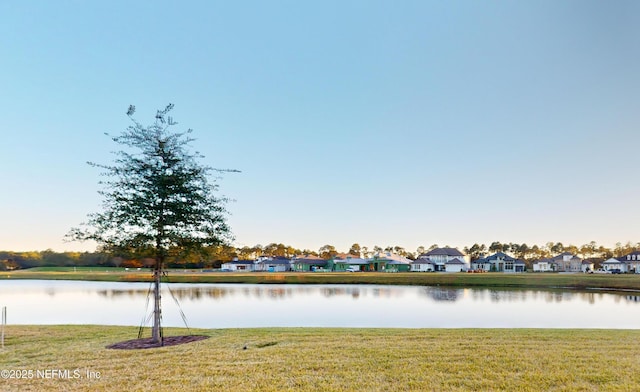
point(445, 260)
point(387, 262)
point(501, 262)
point(632, 260)
point(390, 262)
point(481, 265)
point(240, 265)
point(587, 266)
point(423, 265)
point(350, 263)
point(310, 263)
point(567, 262)
point(544, 265)
point(615, 264)
point(455, 265)
point(273, 264)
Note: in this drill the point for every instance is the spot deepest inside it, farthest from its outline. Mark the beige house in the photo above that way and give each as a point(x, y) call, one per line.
point(567, 262)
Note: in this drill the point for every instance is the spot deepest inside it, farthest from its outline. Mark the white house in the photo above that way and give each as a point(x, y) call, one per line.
point(423, 265)
point(614, 263)
point(455, 265)
point(633, 261)
point(481, 264)
point(443, 259)
point(273, 264)
point(239, 265)
point(544, 265)
point(587, 266)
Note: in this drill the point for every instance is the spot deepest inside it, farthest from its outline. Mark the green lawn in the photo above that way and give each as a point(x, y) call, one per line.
point(304, 359)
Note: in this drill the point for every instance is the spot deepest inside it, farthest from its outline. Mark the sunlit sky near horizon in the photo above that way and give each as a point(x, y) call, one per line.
point(383, 123)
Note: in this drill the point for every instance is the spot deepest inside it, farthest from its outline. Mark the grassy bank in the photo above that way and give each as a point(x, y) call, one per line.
point(303, 359)
point(526, 280)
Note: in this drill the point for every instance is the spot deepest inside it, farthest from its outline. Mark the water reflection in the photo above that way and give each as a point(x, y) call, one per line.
point(196, 293)
point(444, 294)
point(240, 305)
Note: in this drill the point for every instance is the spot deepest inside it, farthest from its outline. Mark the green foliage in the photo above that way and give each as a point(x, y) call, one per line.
point(327, 252)
point(213, 256)
point(157, 199)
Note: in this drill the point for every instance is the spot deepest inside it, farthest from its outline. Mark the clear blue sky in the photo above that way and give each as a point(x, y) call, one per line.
point(379, 122)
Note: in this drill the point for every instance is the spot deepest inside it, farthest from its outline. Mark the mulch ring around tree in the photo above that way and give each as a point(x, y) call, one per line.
point(143, 343)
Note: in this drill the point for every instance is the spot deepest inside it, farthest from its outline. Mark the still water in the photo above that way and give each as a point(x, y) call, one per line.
point(245, 305)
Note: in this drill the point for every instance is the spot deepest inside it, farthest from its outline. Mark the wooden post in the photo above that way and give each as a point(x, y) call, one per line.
point(155, 333)
point(4, 322)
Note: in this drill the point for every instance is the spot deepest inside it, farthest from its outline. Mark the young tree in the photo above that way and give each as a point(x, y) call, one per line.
point(157, 196)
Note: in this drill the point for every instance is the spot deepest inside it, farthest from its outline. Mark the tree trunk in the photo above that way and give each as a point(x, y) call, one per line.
point(156, 333)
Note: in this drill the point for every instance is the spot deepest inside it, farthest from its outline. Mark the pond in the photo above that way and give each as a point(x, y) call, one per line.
point(370, 306)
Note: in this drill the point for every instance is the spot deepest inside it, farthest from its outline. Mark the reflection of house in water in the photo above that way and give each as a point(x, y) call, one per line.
point(385, 292)
point(632, 298)
point(340, 291)
point(442, 294)
point(278, 293)
point(121, 293)
point(556, 296)
point(190, 293)
point(506, 295)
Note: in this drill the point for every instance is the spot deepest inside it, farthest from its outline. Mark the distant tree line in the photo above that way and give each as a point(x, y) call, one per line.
point(214, 256)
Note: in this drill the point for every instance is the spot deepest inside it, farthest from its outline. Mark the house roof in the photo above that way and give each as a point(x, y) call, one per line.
point(308, 257)
point(500, 255)
point(240, 262)
point(424, 260)
point(311, 261)
point(399, 262)
point(393, 258)
point(278, 261)
point(352, 261)
point(630, 256)
point(444, 252)
point(455, 261)
point(561, 256)
point(551, 261)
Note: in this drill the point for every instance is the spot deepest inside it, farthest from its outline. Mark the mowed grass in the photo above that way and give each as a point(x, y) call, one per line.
point(524, 280)
point(306, 359)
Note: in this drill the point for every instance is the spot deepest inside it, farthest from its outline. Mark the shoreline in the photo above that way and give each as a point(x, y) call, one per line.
point(554, 281)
